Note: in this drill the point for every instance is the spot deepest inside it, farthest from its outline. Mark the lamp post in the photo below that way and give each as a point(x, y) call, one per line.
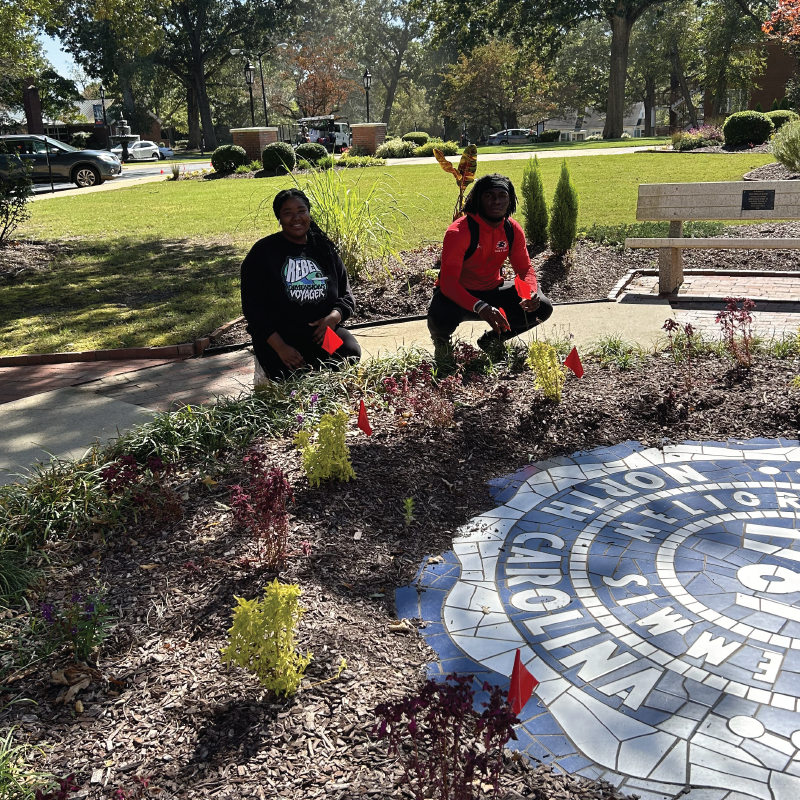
point(367, 78)
point(249, 77)
point(280, 46)
point(105, 121)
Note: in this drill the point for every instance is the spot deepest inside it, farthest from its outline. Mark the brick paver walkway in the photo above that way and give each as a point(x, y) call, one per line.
point(774, 287)
point(768, 322)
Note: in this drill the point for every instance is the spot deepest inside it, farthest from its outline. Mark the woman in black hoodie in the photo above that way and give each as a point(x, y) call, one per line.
point(295, 287)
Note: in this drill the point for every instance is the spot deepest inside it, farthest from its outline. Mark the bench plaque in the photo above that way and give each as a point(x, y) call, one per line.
point(758, 200)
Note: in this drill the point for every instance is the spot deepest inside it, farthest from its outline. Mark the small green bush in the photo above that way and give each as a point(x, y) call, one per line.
point(329, 457)
point(549, 136)
point(16, 190)
point(564, 213)
point(245, 169)
point(229, 156)
point(355, 162)
point(329, 162)
point(786, 145)
point(595, 137)
point(181, 144)
point(396, 148)
point(784, 106)
point(758, 108)
point(775, 105)
point(262, 639)
point(747, 127)
point(79, 139)
point(534, 205)
point(448, 148)
point(278, 157)
point(418, 137)
point(548, 371)
point(780, 117)
point(310, 151)
point(355, 150)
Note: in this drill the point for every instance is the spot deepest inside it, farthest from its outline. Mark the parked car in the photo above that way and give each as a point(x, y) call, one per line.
point(510, 136)
point(165, 152)
point(66, 163)
point(139, 151)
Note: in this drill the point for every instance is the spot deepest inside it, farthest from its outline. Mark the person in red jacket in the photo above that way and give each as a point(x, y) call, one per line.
point(470, 284)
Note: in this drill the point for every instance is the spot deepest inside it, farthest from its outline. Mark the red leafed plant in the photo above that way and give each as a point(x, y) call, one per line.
point(442, 742)
point(784, 23)
point(262, 509)
point(65, 786)
point(737, 332)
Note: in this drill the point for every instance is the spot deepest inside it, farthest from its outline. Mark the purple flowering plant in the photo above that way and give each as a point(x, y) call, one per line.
point(83, 621)
point(442, 742)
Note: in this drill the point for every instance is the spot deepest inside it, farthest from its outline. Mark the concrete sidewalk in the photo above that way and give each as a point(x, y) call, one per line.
point(97, 405)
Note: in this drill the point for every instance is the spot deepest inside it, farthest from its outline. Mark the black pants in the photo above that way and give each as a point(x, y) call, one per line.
point(445, 315)
point(312, 353)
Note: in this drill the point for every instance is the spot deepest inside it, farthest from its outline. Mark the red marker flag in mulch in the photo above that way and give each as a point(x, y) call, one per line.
point(522, 686)
point(503, 313)
point(573, 362)
point(363, 419)
point(332, 341)
point(523, 289)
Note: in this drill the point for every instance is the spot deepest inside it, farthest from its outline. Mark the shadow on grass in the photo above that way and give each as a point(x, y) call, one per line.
point(122, 293)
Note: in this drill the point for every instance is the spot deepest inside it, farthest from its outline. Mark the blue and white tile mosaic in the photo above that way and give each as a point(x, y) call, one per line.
point(655, 594)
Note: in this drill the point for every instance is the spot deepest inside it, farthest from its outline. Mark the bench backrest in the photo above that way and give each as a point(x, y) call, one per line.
point(719, 201)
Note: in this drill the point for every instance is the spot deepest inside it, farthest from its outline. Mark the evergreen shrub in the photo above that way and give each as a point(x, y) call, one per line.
point(564, 213)
point(780, 117)
point(278, 157)
point(311, 152)
point(396, 148)
point(786, 145)
point(549, 136)
point(534, 205)
point(747, 127)
point(229, 156)
point(418, 137)
point(447, 148)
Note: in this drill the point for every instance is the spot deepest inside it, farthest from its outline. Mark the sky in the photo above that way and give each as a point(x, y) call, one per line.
point(61, 61)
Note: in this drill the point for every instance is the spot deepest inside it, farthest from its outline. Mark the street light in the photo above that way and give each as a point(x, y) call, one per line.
point(237, 51)
point(105, 122)
point(367, 83)
point(249, 77)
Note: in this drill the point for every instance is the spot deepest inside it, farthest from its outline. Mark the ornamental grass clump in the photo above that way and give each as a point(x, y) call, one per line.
point(564, 214)
point(534, 205)
point(548, 372)
point(329, 457)
point(446, 748)
point(262, 639)
point(786, 146)
point(262, 509)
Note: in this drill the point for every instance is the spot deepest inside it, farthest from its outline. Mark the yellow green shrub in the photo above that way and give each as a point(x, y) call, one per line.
point(262, 639)
point(547, 369)
point(329, 456)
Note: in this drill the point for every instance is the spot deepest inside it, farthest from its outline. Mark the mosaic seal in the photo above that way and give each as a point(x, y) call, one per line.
point(655, 594)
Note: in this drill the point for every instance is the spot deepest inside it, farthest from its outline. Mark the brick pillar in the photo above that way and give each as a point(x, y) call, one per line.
point(254, 140)
point(32, 106)
point(369, 135)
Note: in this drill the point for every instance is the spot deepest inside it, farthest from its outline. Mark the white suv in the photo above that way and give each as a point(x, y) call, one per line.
point(139, 151)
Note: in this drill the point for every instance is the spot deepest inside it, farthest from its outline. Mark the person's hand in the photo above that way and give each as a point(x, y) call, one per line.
point(531, 304)
point(494, 318)
point(321, 325)
point(291, 357)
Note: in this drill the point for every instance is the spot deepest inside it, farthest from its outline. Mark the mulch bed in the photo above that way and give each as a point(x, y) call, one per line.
point(21, 256)
point(771, 172)
point(162, 705)
point(724, 148)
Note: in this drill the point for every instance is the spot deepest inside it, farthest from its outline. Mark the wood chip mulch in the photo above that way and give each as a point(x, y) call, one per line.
point(160, 703)
point(20, 257)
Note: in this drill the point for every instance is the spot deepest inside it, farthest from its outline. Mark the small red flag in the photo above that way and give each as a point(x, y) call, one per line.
point(332, 342)
point(363, 419)
point(523, 289)
point(573, 362)
point(503, 313)
point(522, 686)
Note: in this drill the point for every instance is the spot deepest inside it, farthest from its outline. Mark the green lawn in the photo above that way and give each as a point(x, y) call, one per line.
point(158, 263)
point(650, 141)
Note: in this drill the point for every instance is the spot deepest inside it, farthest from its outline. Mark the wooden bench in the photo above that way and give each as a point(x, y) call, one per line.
point(733, 200)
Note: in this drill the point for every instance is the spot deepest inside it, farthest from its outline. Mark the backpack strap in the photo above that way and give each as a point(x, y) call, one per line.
point(509, 229)
point(474, 236)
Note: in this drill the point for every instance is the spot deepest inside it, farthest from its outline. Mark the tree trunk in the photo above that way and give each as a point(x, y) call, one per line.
point(209, 135)
point(649, 105)
point(620, 39)
point(674, 97)
point(394, 80)
point(193, 114)
point(677, 68)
